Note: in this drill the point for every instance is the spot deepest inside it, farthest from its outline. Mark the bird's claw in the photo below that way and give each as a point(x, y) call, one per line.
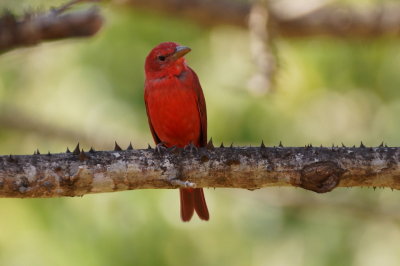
point(173, 149)
point(160, 147)
point(190, 148)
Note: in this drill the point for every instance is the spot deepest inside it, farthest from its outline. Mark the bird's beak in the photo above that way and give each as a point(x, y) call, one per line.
point(180, 51)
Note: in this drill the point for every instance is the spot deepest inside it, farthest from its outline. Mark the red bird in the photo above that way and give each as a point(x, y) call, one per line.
point(176, 111)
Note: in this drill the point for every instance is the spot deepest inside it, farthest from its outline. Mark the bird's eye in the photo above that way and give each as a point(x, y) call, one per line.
point(161, 58)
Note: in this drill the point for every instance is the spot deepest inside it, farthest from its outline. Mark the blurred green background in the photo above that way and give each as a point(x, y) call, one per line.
point(91, 90)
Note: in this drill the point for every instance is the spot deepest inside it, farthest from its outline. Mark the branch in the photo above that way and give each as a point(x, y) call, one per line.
point(79, 173)
point(341, 21)
point(332, 20)
point(54, 25)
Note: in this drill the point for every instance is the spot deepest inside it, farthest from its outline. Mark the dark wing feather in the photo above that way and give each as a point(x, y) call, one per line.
point(153, 132)
point(201, 104)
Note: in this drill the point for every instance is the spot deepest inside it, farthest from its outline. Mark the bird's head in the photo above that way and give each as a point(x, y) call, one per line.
point(166, 58)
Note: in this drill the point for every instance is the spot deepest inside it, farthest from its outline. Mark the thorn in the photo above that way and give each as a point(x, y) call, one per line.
point(49, 154)
point(374, 188)
point(67, 151)
point(280, 144)
point(222, 145)
point(76, 151)
point(37, 151)
point(148, 147)
point(362, 145)
point(262, 146)
point(343, 145)
point(310, 146)
point(354, 146)
point(130, 147)
point(210, 145)
point(92, 150)
point(321, 146)
point(34, 153)
point(386, 146)
point(82, 156)
point(11, 159)
point(231, 145)
point(117, 147)
point(381, 145)
point(333, 145)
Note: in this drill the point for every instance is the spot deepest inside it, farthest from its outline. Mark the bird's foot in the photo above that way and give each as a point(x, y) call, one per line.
point(191, 147)
point(160, 147)
point(174, 149)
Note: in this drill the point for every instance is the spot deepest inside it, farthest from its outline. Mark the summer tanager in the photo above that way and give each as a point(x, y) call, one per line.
point(176, 111)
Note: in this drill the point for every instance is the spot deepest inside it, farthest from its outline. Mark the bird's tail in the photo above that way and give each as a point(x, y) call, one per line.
point(192, 199)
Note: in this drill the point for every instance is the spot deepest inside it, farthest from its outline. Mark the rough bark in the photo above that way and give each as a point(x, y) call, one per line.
point(332, 20)
point(79, 173)
point(35, 28)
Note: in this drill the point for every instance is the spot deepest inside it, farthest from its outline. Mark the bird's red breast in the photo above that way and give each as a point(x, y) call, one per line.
point(172, 108)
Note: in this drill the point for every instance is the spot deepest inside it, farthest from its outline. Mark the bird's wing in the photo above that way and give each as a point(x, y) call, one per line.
point(201, 105)
point(153, 132)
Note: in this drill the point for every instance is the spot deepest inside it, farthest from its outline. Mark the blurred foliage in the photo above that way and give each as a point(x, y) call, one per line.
point(328, 91)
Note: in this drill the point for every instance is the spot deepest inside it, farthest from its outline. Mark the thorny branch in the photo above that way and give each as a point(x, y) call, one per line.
point(332, 20)
point(56, 24)
point(317, 169)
